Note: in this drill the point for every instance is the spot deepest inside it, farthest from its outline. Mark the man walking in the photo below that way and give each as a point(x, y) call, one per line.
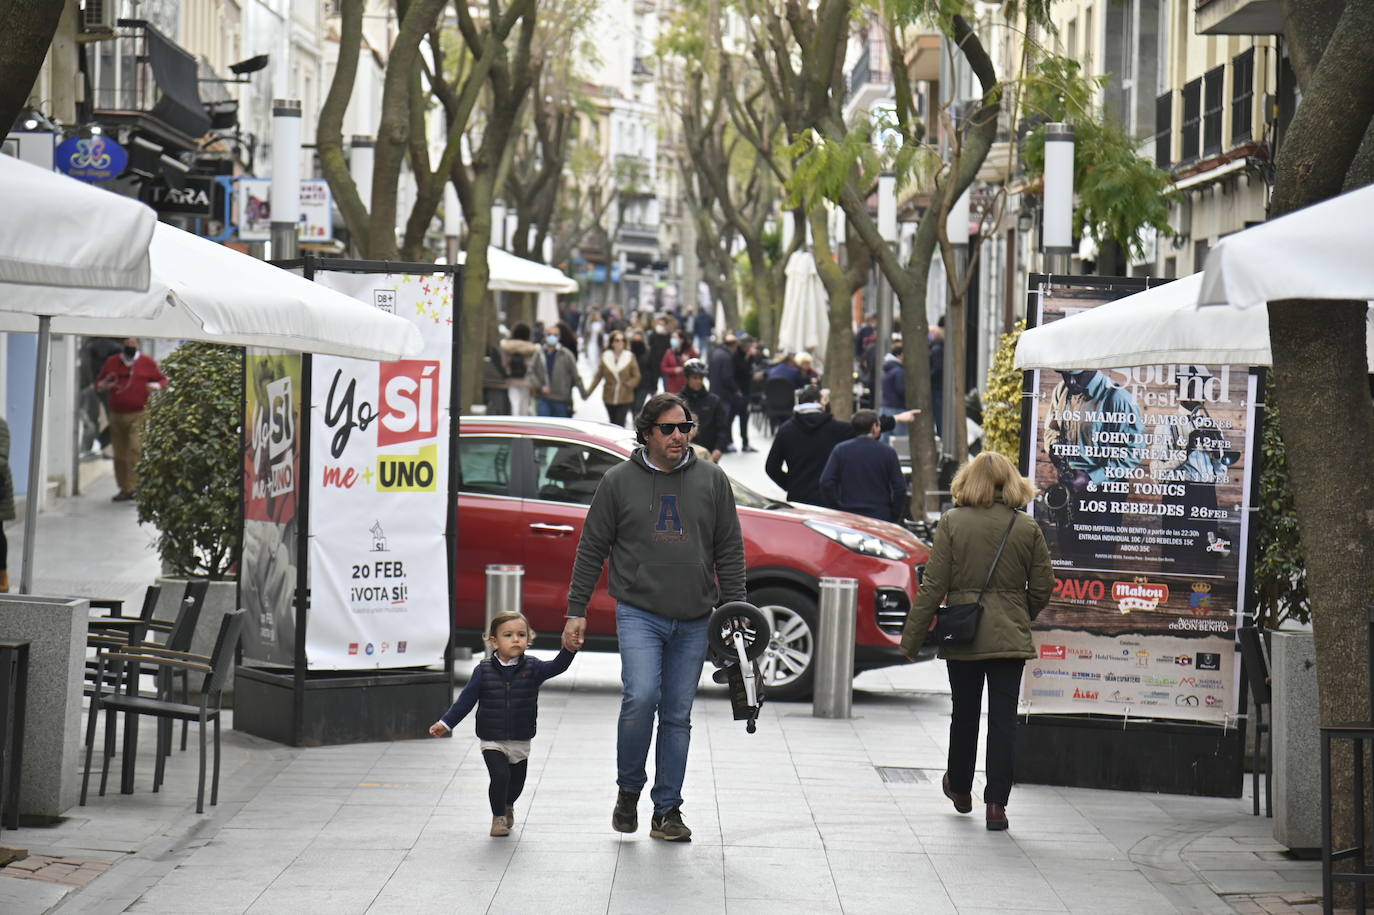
point(804, 443)
point(663, 518)
point(553, 377)
point(129, 377)
point(863, 475)
point(721, 374)
point(713, 420)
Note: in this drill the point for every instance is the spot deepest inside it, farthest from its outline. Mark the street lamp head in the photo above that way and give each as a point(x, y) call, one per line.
point(251, 65)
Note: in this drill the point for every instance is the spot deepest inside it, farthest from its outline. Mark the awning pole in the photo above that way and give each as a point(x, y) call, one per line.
point(31, 498)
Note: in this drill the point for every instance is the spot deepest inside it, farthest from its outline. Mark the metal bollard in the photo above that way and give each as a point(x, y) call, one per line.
point(505, 593)
point(834, 685)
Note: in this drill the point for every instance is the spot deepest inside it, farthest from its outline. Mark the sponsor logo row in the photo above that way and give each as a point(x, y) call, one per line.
point(1138, 594)
point(1204, 660)
point(371, 648)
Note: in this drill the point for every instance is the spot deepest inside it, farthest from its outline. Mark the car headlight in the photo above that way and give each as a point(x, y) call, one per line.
point(858, 541)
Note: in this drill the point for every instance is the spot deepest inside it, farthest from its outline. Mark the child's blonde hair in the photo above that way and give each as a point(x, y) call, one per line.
point(502, 618)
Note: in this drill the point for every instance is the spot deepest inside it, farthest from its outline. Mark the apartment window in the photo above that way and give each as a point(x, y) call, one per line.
point(1164, 130)
point(1188, 134)
point(1242, 96)
point(1213, 102)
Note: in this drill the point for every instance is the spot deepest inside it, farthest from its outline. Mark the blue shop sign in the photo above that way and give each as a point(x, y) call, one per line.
point(96, 158)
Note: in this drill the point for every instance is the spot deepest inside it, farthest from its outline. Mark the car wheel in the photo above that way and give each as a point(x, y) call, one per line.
point(789, 663)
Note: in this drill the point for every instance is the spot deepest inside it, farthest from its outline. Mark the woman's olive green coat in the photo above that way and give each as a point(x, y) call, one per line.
point(965, 544)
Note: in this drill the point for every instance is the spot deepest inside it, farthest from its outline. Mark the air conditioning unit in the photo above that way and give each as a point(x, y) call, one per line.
point(98, 19)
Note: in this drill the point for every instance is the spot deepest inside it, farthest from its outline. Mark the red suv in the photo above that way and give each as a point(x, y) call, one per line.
point(524, 487)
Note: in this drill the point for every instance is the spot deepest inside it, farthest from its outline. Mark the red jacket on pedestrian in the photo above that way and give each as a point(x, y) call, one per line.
point(127, 382)
point(671, 368)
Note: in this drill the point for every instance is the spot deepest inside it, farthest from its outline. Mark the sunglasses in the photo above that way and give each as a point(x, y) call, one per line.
point(684, 428)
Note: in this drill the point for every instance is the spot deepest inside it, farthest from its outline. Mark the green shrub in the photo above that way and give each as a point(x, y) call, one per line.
point(1278, 587)
point(189, 476)
point(1002, 402)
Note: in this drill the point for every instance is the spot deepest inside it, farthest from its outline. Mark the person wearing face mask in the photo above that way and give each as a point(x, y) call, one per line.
point(554, 376)
point(678, 352)
point(129, 377)
point(619, 369)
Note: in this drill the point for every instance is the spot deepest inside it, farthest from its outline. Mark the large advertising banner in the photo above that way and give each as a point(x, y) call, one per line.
point(378, 504)
point(271, 474)
point(1143, 473)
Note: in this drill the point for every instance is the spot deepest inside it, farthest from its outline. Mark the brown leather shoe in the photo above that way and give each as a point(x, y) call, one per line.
point(997, 817)
point(962, 802)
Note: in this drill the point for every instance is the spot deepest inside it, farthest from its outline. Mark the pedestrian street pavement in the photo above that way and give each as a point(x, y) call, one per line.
point(806, 815)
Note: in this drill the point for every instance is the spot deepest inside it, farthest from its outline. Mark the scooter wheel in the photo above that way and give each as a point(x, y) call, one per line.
point(738, 616)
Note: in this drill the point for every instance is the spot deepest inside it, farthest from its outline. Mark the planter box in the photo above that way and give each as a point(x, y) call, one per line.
point(54, 725)
point(337, 707)
point(1297, 743)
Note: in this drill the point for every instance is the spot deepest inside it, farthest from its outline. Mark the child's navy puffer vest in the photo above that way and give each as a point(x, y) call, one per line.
point(509, 701)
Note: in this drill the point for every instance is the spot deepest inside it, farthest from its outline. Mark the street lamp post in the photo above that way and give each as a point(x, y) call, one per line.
point(286, 178)
point(887, 228)
point(1058, 197)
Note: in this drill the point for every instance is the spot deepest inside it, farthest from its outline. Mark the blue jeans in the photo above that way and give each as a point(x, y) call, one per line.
point(660, 664)
point(554, 408)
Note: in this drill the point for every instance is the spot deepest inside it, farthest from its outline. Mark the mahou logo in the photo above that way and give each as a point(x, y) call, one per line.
point(409, 394)
point(1138, 595)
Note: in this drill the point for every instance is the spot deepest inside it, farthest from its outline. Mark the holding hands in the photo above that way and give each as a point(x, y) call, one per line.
point(574, 632)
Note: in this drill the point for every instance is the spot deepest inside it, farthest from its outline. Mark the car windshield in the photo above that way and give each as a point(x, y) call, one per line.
point(749, 499)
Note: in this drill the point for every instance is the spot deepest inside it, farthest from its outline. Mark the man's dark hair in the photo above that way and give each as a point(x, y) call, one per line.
point(653, 408)
point(863, 421)
point(809, 394)
point(521, 331)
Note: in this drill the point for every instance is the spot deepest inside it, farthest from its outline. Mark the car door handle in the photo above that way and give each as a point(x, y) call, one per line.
point(559, 529)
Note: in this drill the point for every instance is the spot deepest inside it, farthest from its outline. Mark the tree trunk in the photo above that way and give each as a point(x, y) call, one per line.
point(477, 304)
point(839, 351)
point(26, 30)
point(1321, 377)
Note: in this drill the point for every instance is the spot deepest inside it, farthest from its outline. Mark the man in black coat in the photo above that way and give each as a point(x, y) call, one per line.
point(720, 373)
point(713, 422)
point(745, 358)
point(863, 475)
point(804, 443)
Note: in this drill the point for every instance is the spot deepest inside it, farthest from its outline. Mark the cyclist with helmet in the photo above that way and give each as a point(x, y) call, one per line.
point(713, 422)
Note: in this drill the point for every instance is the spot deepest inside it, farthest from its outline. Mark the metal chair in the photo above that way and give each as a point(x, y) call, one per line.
point(1257, 677)
point(130, 701)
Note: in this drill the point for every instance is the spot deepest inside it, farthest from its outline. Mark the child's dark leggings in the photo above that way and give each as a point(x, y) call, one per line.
point(507, 780)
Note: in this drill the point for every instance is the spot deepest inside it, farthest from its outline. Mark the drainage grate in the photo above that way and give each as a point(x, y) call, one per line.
point(902, 775)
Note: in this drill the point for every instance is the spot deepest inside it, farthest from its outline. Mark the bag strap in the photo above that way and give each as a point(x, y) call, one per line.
point(996, 559)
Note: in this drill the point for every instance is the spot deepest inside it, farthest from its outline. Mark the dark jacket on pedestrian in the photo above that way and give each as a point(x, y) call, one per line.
point(713, 422)
point(506, 696)
point(744, 370)
point(802, 447)
point(703, 323)
point(564, 378)
point(863, 476)
point(720, 372)
point(673, 539)
point(965, 544)
point(894, 383)
point(788, 371)
point(658, 345)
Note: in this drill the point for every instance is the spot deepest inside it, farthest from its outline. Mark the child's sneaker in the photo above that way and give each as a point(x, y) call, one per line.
point(669, 826)
point(510, 815)
point(625, 816)
point(499, 826)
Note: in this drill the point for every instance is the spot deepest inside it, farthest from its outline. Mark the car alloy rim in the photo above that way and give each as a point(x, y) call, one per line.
point(790, 647)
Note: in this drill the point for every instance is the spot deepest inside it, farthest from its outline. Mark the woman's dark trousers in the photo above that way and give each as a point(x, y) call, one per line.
point(1003, 676)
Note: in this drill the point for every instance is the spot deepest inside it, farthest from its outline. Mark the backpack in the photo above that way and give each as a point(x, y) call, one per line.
point(515, 366)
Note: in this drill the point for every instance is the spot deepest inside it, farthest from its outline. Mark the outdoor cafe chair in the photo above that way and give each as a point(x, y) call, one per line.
point(130, 701)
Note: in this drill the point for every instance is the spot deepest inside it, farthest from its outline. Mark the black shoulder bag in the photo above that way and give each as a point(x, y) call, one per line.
point(958, 624)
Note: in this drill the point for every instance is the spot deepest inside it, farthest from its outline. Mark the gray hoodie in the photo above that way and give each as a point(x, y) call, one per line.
point(670, 535)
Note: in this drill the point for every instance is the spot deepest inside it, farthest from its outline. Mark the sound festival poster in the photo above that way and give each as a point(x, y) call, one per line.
point(1143, 473)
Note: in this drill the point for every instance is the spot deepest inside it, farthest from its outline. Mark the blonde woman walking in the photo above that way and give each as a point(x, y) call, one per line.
point(985, 531)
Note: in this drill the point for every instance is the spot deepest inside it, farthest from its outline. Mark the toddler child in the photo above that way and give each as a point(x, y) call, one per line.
point(505, 690)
